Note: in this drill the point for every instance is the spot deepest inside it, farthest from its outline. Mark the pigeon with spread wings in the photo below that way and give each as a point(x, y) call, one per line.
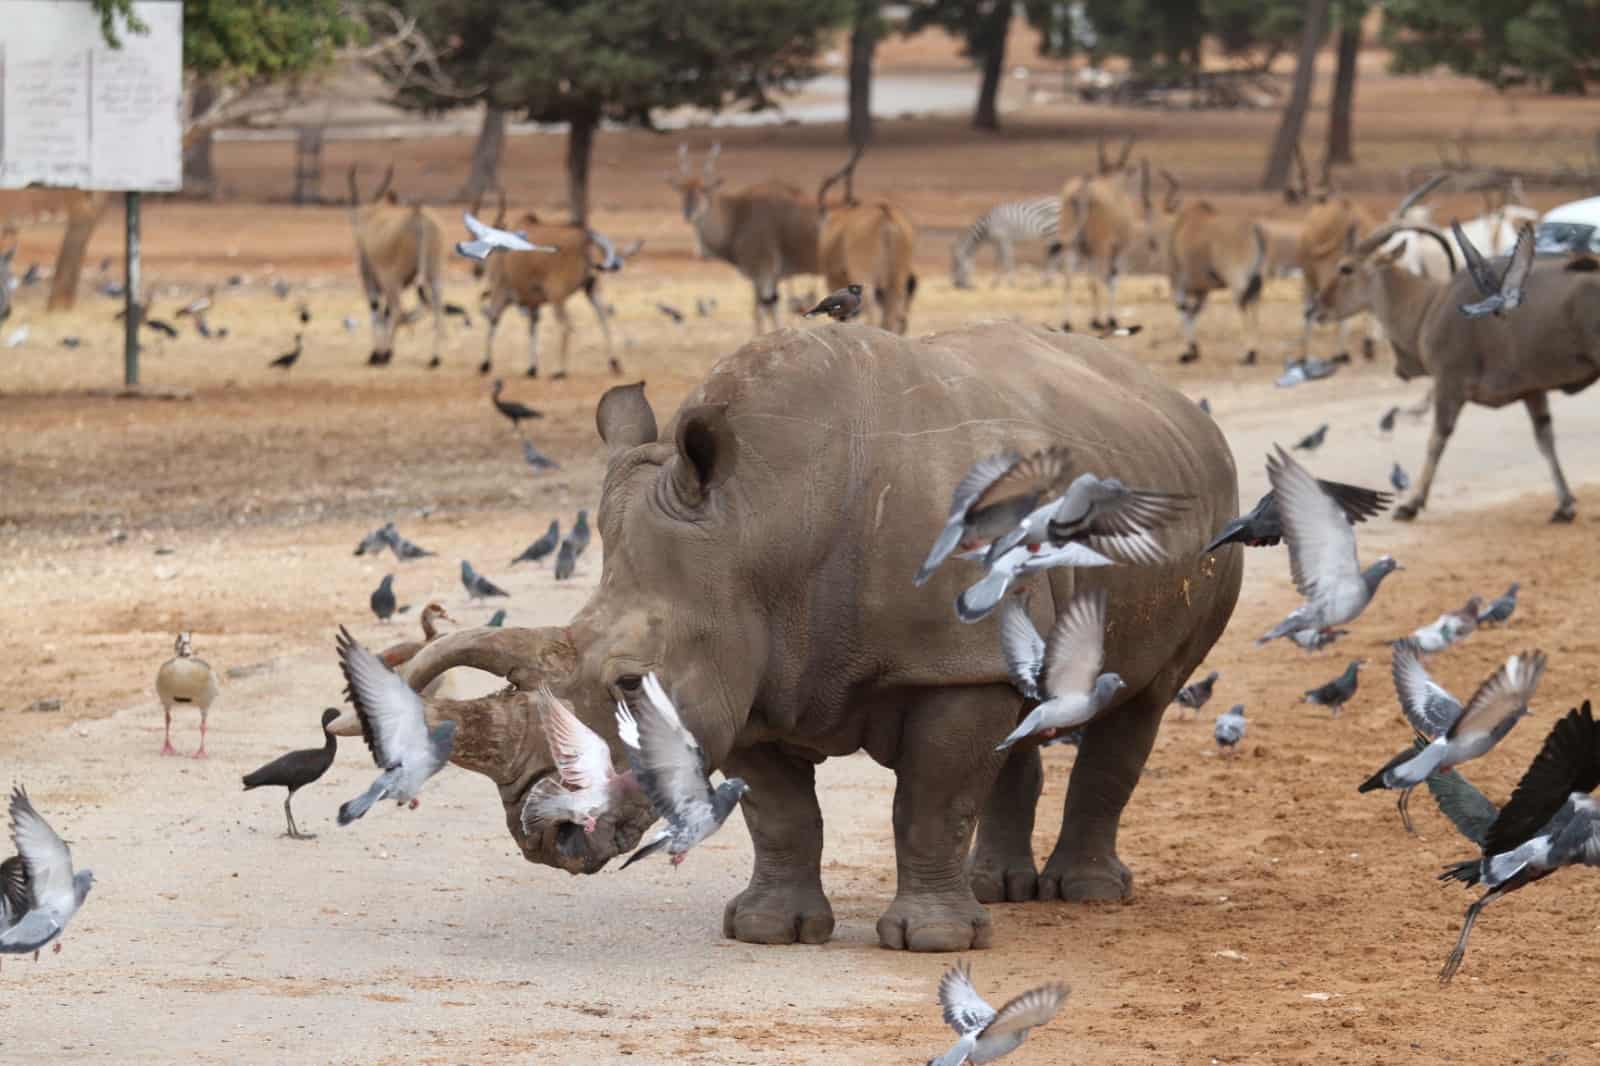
point(1502, 289)
point(39, 892)
point(995, 496)
point(1065, 667)
point(985, 1034)
point(585, 783)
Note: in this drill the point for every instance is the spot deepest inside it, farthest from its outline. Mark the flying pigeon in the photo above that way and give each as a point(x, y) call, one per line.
point(1317, 639)
point(1399, 478)
point(1386, 423)
point(513, 410)
point(1068, 673)
point(1448, 628)
point(997, 494)
point(1551, 821)
point(580, 534)
point(585, 784)
point(1336, 693)
point(39, 893)
point(486, 240)
point(1263, 526)
point(841, 305)
point(541, 547)
point(566, 559)
point(1197, 694)
point(1500, 608)
point(296, 770)
point(1313, 440)
point(1300, 371)
point(1322, 553)
point(985, 1034)
point(670, 766)
point(1502, 290)
point(395, 728)
point(382, 599)
point(1101, 514)
point(478, 587)
point(976, 602)
point(1455, 734)
point(537, 459)
point(1230, 728)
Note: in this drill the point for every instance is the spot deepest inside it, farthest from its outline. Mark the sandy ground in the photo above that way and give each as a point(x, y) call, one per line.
point(1278, 917)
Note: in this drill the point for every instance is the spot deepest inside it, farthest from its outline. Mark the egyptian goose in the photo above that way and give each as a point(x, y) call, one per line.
point(186, 680)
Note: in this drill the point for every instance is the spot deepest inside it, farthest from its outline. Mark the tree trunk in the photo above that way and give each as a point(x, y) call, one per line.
point(863, 42)
point(199, 179)
point(1294, 112)
point(991, 49)
point(486, 154)
point(580, 144)
point(83, 211)
point(1344, 93)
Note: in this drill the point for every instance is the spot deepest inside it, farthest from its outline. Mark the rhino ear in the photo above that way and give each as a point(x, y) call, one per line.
point(707, 451)
point(624, 418)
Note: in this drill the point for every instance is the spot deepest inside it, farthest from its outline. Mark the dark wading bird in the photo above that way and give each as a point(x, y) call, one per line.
point(985, 1034)
point(1551, 821)
point(289, 358)
point(39, 893)
point(513, 410)
point(841, 305)
point(296, 770)
point(1502, 290)
point(1452, 734)
point(1263, 526)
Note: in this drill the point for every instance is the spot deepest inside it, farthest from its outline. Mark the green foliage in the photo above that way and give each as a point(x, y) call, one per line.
point(976, 23)
point(1552, 44)
point(247, 39)
point(113, 11)
point(1166, 35)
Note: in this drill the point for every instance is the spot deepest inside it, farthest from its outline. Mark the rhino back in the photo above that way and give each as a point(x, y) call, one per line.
point(850, 443)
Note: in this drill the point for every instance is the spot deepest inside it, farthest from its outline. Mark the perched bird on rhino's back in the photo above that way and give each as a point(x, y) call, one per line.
point(186, 681)
point(39, 892)
point(296, 770)
point(1068, 674)
point(1500, 608)
point(983, 1033)
point(1262, 527)
point(1230, 728)
point(994, 497)
point(840, 305)
point(1336, 693)
point(1197, 694)
point(541, 547)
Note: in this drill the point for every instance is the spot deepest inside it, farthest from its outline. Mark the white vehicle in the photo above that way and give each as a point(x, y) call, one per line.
point(1573, 227)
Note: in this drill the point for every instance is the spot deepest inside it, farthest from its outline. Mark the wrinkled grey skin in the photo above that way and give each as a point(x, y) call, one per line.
point(759, 556)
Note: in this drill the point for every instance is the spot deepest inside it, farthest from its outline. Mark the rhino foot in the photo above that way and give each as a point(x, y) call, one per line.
point(1085, 880)
point(1000, 880)
point(935, 923)
point(779, 914)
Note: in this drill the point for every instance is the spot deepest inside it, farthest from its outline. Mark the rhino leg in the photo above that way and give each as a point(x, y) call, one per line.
point(1002, 866)
point(944, 770)
point(783, 902)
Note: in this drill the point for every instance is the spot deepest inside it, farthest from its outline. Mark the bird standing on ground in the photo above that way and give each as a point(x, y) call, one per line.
point(1501, 608)
point(1263, 526)
point(1336, 693)
point(382, 599)
point(983, 1033)
point(478, 587)
point(994, 497)
point(1300, 371)
point(841, 305)
point(670, 766)
point(513, 410)
point(296, 770)
point(373, 542)
point(1230, 728)
point(541, 547)
point(39, 892)
point(1386, 423)
point(1455, 734)
point(497, 619)
point(1448, 628)
point(395, 727)
point(403, 549)
point(537, 459)
point(1065, 667)
point(1399, 478)
point(187, 681)
point(1313, 440)
point(289, 358)
point(1322, 553)
point(585, 784)
point(566, 559)
point(1503, 289)
point(1197, 694)
point(580, 534)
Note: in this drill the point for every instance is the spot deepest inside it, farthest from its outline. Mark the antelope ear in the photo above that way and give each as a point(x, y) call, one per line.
point(707, 452)
point(624, 418)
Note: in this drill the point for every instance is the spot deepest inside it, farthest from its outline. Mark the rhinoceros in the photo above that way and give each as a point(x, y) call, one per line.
point(759, 557)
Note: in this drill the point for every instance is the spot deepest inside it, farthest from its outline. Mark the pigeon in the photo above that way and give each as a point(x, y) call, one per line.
point(479, 587)
point(1101, 514)
point(1317, 639)
point(841, 305)
point(1300, 371)
point(1230, 728)
point(196, 306)
point(1204, 405)
point(305, 314)
point(1313, 440)
point(487, 239)
point(566, 559)
point(1197, 694)
point(395, 728)
point(1500, 608)
point(671, 312)
point(1455, 734)
point(670, 766)
point(39, 893)
point(71, 342)
point(537, 459)
point(1336, 693)
point(296, 770)
point(1263, 526)
point(281, 287)
point(1067, 673)
point(1322, 553)
point(497, 619)
point(1551, 821)
point(350, 324)
point(374, 542)
point(585, 784)
point(541, 547)
point(1448, 628)
point(975, 603)
point(1386, 423)
point(1502, 290)
point(998, 493)
point(1119, 331)
point(1399, 478)
point(166, 329)
point(289, 358)
point(513, 410)
point(382, 599)
point(983, 1033)
point(404, 549)
point(705, 307)
point(580, 534)
point(32, 275)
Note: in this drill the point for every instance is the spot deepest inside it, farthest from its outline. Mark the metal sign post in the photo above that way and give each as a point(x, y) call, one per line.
point(134, 310)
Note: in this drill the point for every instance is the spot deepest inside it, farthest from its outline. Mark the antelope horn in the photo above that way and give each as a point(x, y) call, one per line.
point(1302, 170)
point(1127, 150)
point(383, 186)
point(1100, 155)
point(1173, 187)
point(355, 193)
point(1416, 195)
point(683, 159)
point(709, 168)
point(609, 259)
point(1379, 237)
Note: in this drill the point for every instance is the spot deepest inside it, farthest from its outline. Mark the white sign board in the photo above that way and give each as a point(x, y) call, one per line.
point(75, 112)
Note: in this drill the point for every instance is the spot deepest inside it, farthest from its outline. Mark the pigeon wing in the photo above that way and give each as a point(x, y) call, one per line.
point(1043, 474)
point(1122, 524)
point(1022, 647)
point(964, 1010)
point(1521, 262)
point(1469, 810)
point(582, 755)
point(480, 231)
point(1482, 274)
point(1357, 503)
point(1033, 1008)
point(15, 895)
point(44, 855)
point(1322, 544)
point(1076, 646)
point(1503, 697)
point(977, 482)
point(671, 765)
point(1429, 708)
point(391, 714)
point(1569, 762)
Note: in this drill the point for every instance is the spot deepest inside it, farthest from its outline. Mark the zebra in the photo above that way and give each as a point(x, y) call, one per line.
point(1002, 225)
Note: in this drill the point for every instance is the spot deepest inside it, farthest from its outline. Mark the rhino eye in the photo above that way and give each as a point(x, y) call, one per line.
point(630, 682)
point(1346, 268)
